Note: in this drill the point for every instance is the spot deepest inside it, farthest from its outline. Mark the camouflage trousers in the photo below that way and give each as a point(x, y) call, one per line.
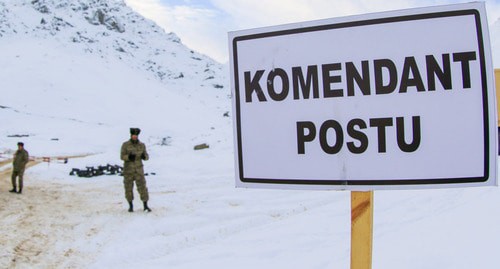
point(140, 182)
point(18, 174)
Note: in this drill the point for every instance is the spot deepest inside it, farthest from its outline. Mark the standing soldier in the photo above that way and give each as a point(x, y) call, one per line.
point(21, 158)
point(133, 152)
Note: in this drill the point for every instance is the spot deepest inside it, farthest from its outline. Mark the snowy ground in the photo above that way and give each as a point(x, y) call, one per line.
point(200, 220)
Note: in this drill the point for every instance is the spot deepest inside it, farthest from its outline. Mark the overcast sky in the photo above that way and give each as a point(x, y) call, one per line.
point(203, 25)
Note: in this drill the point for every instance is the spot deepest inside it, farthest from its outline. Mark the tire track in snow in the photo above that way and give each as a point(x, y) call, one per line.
point(208, 213)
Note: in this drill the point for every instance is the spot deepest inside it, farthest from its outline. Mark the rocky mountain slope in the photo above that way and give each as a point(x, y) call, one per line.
point(98, 67)
point(111, 30)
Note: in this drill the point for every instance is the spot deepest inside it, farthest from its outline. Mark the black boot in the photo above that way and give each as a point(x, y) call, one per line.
point(130, 207)
point(146, 208)
point(20, 191)
point(13, 190)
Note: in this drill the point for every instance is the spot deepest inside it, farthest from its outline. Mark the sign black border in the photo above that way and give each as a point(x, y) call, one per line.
point(351, 182)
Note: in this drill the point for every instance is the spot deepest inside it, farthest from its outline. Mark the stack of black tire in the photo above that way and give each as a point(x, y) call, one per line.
point(92, 171)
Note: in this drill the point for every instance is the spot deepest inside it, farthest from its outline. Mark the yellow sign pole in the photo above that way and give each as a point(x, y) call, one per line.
point(497, 86)
point(361, 229)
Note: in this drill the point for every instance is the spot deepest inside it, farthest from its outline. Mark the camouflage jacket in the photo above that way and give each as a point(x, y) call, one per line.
point(21, 158)
point(139, 150)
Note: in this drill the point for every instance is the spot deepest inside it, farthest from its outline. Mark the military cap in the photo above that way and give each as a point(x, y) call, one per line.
point(135, 131)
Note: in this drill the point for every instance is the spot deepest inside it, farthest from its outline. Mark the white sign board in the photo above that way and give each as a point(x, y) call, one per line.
point(393, 100)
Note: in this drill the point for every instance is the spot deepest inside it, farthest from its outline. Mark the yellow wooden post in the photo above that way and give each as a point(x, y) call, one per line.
point(497, 86)
point(361, 229)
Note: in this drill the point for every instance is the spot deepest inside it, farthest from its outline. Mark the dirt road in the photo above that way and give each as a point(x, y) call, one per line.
point(52, 225)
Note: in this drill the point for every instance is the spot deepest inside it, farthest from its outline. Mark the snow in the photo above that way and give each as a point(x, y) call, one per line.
point(68, 101)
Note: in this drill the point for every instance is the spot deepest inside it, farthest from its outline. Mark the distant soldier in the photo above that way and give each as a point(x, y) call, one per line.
point(21, 158)
point(132, 153)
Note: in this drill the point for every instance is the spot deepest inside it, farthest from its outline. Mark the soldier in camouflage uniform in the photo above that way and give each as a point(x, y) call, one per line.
point(21, 158)
point(132, 153)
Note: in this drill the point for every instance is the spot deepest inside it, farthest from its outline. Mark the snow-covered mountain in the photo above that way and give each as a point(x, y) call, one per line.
point(71, 61)
point(109, 29)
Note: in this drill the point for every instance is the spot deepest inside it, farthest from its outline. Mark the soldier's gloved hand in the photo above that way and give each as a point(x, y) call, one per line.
point(131, 157)
point(143, 156)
